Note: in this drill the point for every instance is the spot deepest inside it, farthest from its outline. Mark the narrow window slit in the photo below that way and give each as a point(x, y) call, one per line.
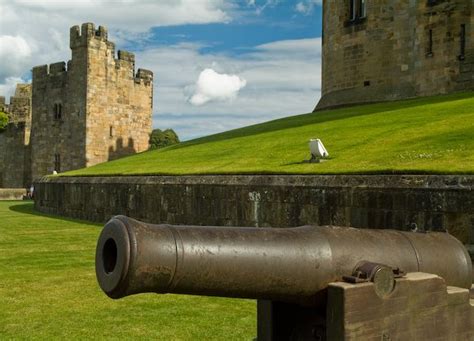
point(57, 162)
point(429, 52)
point(462, 47)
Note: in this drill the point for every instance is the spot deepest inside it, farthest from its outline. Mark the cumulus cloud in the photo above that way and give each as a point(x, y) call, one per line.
point(12, 49)
point(37, 32)
point(283, 78)
point(213, 86)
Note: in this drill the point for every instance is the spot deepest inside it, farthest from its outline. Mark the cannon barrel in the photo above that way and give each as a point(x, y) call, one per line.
point(284, 264)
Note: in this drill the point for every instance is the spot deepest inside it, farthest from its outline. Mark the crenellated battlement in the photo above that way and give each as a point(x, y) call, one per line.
point(43, 71)
point(81, 36)
point(88, 35)
point(57, 68)
point(125, 60)
point(144, 76)
point(126, 56)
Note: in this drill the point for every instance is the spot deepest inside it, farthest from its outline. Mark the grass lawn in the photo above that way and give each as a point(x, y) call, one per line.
point(48, 290)
point(425, 135)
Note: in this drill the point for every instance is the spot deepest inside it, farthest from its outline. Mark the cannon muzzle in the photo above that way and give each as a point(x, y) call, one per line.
point(289, 264)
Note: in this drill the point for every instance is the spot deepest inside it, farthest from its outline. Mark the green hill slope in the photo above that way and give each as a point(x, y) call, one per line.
point(427, 135)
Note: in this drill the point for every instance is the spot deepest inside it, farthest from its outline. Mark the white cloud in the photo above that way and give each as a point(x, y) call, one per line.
point(12, 49)
point(306, 7)
point(213, 86)
point(133, 15)
point(260, 8)
point(7, 89)
point(283, 78)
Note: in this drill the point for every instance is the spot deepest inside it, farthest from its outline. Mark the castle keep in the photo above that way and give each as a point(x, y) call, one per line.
point(393, 49)
point(93, 109)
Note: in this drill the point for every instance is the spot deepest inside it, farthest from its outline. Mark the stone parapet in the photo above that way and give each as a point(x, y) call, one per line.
point(12, 193)
point(427, 202)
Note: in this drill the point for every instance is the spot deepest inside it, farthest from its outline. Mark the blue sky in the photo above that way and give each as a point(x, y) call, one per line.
point(218, 64)
point(249, 29)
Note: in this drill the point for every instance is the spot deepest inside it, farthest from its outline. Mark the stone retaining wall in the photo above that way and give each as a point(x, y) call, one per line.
point(12, 193)
point(401, 202)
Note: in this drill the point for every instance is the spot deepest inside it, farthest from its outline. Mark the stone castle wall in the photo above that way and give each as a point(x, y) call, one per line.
point(3, 146)
point(14, 141)
point(52, 135)
point(104, 107)
point(119, 100)
point(399, 49)
point(2, 103)
point(431, 202)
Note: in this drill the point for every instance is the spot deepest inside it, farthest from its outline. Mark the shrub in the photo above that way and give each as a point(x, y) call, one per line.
point(3, 121)
point(163, 138)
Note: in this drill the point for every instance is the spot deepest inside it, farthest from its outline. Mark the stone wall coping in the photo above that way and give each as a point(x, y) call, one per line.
point(459, 182)
point(12, 193)
point(13, 190)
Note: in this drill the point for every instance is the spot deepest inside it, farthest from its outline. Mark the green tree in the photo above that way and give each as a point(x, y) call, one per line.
point(3, 121)
point(163, 138)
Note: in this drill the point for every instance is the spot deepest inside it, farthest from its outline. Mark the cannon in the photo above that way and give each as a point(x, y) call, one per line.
point(287, 269)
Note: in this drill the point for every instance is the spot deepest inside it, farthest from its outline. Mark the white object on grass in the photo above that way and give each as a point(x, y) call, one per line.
point(317, 149)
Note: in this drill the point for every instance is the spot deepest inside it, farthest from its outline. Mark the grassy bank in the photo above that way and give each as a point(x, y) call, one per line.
point(48, 290)
point(427, 135)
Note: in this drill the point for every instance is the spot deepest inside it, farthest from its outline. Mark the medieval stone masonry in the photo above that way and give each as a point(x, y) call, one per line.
point(15, 170)
point(394, 49)
point(93, 109)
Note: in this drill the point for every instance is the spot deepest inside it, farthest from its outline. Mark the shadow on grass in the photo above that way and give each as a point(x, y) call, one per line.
point(28, 208)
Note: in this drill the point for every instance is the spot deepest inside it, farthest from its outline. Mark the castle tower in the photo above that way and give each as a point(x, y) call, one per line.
point(94, 110)
point(394, 49)
point(15, 140)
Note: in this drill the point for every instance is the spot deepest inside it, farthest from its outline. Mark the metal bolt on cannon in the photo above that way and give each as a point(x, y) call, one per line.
point(289, 270)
